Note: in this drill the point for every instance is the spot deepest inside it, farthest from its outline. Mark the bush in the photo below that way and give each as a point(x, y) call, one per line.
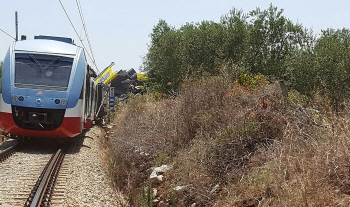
point(232, 145)
point(143, 128)
point(196, 127)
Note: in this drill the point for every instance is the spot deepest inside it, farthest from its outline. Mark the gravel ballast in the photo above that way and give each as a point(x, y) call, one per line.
point(83, 178)
point(87, 183)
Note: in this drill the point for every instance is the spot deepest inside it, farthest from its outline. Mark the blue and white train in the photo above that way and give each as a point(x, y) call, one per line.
point(48, 89)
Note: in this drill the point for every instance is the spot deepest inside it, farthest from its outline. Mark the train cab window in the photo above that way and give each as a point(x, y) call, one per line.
point(37, 71)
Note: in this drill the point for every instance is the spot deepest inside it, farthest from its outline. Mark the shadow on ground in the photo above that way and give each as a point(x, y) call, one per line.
point(48, 145)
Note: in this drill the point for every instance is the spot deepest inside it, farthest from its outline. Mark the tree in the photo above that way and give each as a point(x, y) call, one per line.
point(161, 62)
point(235, 37)
point(332, 53)
point(177, 54)
point(302, 71)
point(272, 38)
point(259, 41)
point(323, 67)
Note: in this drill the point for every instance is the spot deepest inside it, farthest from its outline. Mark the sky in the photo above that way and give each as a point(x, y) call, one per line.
point(119, 30)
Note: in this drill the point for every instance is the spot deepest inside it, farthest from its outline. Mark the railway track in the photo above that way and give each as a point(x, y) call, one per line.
point(43, 189)
point(28, 179)
point(8, 152)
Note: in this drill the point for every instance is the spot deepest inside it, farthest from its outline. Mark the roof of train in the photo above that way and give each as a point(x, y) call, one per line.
point(46, 46)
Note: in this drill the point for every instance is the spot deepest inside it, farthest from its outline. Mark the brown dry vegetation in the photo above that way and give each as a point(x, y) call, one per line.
point(233, 145)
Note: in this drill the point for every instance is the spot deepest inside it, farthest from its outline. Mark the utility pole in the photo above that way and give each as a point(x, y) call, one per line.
point(16, 26)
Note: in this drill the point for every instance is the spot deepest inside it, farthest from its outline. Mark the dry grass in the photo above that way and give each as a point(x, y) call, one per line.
point(143, 131)
point(308, 167)
point(233, 145)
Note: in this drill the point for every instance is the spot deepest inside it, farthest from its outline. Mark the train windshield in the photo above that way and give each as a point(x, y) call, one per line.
point(47, 72)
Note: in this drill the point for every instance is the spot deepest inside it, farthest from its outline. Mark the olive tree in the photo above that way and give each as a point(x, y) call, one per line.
point(332, 59)
point(259, 41)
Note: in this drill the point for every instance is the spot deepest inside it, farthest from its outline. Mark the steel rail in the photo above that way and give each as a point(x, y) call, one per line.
point(7, 153)
point(43, 189)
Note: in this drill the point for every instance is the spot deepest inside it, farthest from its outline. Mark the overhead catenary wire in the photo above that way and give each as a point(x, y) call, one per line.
point(78, 36)
point(85, 29)
point(7, 34)
point(81, 34)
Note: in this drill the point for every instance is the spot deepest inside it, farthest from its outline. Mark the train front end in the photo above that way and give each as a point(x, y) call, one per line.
point(41, 89)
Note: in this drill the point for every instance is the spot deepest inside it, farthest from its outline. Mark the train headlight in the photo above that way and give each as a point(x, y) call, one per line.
point(38, 102)
point(14, 98)
point(57, 101)
point(64, 102)
point(21, 98)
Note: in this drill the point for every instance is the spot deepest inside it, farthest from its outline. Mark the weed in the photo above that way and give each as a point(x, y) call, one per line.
point(174, 199)
point(147, 197)
point(161, 159)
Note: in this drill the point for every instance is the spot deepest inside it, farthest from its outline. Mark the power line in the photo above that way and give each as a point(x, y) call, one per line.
point(85, 29)
point(84, 25)
point(7, 34)
point(78, 35)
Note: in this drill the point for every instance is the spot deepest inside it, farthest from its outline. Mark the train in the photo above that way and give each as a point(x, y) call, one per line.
point(48, 89)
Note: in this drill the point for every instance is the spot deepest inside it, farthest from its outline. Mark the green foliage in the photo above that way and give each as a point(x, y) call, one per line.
point(324, 67)
point(235, 37)
point(178, 54)
point(332, 53)
point(174, 199)
point(161, 159)
point(253, 81)
point(302, 71)
point(259, 41)
point(147, 197)
point(245, 44)
point(297, 99)
point(271, 39)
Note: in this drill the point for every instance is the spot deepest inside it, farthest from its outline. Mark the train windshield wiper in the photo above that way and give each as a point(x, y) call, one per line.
point(47, 65)
point(36, 61)
point(51, 63)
